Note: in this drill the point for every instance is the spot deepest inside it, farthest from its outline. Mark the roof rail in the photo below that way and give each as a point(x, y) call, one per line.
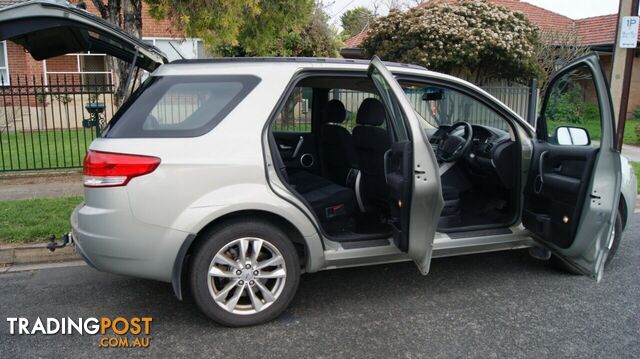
point(288, 60)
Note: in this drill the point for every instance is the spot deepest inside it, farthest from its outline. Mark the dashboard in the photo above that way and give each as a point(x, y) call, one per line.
point(491, 154)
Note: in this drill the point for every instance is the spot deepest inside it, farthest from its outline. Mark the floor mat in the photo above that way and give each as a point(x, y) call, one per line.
point(478, 209)
point(365, 227)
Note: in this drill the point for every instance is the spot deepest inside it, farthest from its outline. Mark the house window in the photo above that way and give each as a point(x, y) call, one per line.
point(4, 65)
point(175, 47)
point(86, 69)
point(94, 70)
point(202, 51)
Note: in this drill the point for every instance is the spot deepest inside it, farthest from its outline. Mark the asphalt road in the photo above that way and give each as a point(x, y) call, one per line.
point(490, 305)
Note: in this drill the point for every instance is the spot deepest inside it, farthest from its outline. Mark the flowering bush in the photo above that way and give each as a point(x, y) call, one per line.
point(470, 38)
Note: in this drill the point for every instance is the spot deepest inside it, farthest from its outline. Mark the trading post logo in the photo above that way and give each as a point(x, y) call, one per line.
point(117, 332)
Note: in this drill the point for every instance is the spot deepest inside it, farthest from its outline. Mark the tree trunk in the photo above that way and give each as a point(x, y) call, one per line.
point(127, 15)
point(132, 25)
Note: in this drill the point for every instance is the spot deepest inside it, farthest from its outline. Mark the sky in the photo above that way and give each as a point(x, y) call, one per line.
point(574, 9)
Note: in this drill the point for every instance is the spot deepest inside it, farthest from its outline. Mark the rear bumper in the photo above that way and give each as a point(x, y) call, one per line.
point(122, 245)
point(80, 251)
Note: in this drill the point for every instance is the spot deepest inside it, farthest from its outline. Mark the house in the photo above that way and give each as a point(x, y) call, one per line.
point(91, 67)
point(599, 33)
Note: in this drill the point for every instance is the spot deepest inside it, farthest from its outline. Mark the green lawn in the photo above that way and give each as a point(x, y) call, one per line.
point(630, 134)
point(43, 149)
point(636, 169)
point(35, 219)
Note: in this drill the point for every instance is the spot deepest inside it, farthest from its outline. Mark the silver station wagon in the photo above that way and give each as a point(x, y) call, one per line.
point(230, 178)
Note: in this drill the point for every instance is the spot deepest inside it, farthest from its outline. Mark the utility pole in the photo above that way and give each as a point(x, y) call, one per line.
point(622, 67)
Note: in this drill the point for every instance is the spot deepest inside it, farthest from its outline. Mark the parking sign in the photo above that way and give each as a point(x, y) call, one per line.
point(629, 32)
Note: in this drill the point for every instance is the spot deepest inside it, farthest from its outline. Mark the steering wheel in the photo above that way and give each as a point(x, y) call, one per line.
point(453, 147)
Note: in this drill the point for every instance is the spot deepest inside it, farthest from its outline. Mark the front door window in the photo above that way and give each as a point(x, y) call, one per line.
point(572, 114)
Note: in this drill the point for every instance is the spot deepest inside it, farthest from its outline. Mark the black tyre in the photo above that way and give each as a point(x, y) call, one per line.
point(245, 272)
point(559, 264)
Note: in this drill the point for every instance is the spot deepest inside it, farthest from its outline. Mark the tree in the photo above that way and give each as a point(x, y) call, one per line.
point(355, 20)
point(556, 49)
point(472, 39)
point(237, 28)
point(127, 15)
point(317, 39)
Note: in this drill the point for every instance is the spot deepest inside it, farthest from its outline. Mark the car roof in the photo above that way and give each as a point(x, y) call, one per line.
point(295, 61)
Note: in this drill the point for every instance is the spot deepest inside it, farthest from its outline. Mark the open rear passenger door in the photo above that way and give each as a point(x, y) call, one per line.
point(411, 172)
point(573, 187)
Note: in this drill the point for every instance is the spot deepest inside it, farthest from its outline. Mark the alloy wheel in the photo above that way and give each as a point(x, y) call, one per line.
point(247, 275)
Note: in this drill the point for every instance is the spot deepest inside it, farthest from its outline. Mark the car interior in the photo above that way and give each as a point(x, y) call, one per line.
point(336, 148)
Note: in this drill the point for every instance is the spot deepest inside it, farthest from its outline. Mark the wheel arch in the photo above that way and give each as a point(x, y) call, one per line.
point(306, 249)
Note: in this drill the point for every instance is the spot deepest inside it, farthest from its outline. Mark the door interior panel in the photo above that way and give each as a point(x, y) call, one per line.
point(298, 150)
point(554, 195)
point(572, 188)
point(398, 174)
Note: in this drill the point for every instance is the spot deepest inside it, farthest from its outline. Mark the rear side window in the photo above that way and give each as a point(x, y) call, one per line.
point(179, 106)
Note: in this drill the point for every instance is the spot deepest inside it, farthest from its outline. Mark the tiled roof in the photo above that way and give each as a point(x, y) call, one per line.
point(599, 30)
point(545, 19)
point(355, 41)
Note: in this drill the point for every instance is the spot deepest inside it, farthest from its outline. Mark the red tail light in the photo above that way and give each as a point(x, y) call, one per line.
point(105, 169)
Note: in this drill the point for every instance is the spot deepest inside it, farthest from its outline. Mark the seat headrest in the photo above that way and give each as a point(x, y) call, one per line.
point(371, 112)
point(335, 112)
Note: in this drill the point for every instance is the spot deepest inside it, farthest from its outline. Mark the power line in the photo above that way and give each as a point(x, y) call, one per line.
point(340, 11)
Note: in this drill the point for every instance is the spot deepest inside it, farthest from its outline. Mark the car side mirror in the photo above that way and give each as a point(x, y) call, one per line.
point(571, 136)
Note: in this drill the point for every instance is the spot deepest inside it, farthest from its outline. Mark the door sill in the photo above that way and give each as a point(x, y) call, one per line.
point(480, 233)
point(514, 237)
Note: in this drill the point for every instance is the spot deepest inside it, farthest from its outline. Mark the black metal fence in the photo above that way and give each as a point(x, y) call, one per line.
point(296, 116)
point(454, 106)
point(41, 119)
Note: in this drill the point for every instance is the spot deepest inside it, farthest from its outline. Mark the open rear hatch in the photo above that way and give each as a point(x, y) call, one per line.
point(53, 28)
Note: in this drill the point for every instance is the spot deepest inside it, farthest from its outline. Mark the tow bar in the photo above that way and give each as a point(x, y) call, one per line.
point(53, 245)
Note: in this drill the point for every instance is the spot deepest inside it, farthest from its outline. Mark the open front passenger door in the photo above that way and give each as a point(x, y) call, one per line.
point(411, 172)
point(573, 187)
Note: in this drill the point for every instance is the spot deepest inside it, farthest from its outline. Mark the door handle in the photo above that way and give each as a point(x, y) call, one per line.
point(385, 163)
point(418, 172)
point(541, 165)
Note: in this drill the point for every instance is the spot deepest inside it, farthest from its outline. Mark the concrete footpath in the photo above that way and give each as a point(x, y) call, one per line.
point(631, 152)
point(40, 185)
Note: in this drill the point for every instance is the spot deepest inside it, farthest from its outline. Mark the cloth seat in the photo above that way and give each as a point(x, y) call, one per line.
point(333, 204)
point(337, 152)
point(371, 142)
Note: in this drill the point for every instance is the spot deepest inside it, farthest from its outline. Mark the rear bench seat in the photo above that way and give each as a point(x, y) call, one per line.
point(334, 205)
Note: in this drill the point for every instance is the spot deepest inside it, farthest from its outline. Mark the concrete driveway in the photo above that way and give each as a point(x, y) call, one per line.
point(631, 152)
point(491, 305)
